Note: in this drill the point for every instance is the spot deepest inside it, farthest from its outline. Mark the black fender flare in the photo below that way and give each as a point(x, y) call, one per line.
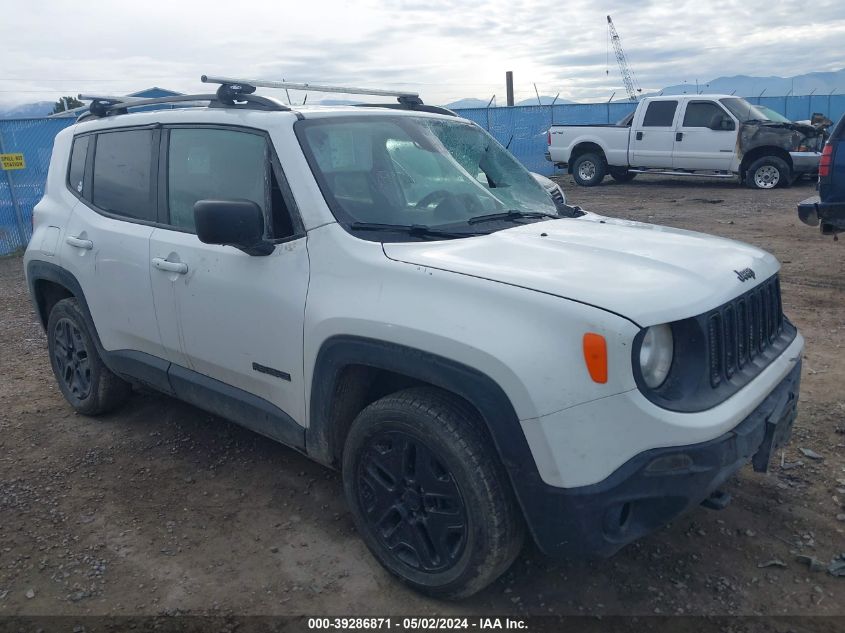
point(470, 384)
point(38, 270)
point(130, 365)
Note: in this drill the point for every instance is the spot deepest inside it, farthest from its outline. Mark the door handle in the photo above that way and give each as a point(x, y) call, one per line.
point(170, 267)
point(639, 136)
point(78, 243)
point(679, 136)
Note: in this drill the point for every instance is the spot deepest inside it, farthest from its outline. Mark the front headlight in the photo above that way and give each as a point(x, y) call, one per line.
point(656, 353)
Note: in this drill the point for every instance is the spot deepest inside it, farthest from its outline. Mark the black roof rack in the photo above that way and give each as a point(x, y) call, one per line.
point(239, 93)
point(227, 95)
point(405, 100)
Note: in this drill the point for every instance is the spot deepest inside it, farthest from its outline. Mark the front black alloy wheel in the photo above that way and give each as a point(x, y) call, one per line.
point(428, 493)
point(86, 383)
point(412, 501)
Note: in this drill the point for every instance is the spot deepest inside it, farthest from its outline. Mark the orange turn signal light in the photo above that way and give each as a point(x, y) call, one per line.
point(595, 356)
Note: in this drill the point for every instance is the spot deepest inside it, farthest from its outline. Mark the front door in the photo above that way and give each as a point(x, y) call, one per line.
point(706, 138)
point(223, 314)
point(653, 135)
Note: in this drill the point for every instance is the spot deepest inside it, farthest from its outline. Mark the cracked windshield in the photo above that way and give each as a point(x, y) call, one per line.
point(414, 171)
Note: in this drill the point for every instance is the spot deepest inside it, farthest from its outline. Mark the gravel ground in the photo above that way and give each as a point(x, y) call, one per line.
point(161, 508)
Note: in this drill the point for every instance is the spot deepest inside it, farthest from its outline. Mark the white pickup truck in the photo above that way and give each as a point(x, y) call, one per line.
point(719, 136)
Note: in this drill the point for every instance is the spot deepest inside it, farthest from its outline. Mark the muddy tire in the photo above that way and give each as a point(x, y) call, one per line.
point(768, 172)
point(588, 170)
point(428, 494)
point(622, 175)
point(86, 383)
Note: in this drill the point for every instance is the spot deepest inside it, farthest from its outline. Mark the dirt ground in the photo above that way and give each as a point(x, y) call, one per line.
point(162, 508)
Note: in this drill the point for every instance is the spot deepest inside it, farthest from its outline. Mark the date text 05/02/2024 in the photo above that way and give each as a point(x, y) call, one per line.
point(413, 624)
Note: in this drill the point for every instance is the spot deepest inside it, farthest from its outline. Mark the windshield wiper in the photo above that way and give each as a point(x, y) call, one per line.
point(512, 214)
point(415, 230)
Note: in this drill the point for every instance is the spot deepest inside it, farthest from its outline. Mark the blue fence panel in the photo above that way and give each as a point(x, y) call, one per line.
point(802, 107)
point(479, 115)
point(581, 114)
point(835, 107)
point(797, 108)
point(619, 111)
point(21, 189)
point(523, 131)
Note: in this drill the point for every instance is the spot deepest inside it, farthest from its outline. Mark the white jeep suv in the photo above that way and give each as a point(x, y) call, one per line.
point(387, 290)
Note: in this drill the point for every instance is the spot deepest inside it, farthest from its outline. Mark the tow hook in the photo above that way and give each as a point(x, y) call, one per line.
point(718, 500)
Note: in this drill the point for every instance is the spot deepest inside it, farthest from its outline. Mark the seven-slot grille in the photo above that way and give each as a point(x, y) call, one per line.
point(743, 328)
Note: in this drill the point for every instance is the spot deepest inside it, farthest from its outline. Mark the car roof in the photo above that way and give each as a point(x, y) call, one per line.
point(263, 119)
point(688, 96)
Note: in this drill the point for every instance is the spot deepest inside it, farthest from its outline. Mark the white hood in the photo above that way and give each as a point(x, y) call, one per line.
point(649, 274)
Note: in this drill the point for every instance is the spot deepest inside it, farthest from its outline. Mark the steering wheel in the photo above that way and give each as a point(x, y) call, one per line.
point(450, 206)
point(438, 196)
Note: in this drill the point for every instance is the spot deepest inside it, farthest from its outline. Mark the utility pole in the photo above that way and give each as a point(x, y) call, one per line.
point(509, 86)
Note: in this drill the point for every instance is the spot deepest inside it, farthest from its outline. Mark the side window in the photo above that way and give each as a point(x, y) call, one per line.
point(122, 169)
point(701, 113)
point(660, 114)
point(206, 163)
point(76, 169)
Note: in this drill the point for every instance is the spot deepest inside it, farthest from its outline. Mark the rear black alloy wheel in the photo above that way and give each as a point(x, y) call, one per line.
point(85, 382)
point(71, 356)
point(428, 493)
point(413, 502)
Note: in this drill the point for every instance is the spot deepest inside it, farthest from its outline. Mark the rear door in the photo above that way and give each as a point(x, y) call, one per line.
point(653, 135)
point(106, 244)
point(705, 138)
point(234, 318)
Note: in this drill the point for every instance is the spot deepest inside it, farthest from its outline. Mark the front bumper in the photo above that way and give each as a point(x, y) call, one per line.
point(805, 162)
point(831, 215)
point(657, 485)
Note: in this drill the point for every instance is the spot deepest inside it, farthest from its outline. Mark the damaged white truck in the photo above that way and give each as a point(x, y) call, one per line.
point(719, 136)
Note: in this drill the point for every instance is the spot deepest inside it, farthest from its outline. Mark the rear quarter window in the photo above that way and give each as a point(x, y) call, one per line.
point(76, 169)
point(123, 182)
point(660, 114)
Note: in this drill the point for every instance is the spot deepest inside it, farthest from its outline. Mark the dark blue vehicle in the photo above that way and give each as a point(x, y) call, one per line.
point(828, 208)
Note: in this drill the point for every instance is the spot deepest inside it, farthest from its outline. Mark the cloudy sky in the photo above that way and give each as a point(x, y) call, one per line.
point(444, 50)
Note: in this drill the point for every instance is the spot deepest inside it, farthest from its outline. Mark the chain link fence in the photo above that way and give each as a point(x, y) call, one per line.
point(522, 129)
point(22, 185)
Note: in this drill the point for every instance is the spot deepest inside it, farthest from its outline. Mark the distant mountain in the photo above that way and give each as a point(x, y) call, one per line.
point(747, 86)
point(544, 99)
point(42, 108)
point(467, 103)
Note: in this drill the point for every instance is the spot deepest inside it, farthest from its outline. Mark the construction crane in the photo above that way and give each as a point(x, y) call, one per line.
point(628, 79)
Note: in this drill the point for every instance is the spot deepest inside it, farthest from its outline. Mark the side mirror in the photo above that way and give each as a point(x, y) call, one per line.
point(237, 223)
point(721, 122)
